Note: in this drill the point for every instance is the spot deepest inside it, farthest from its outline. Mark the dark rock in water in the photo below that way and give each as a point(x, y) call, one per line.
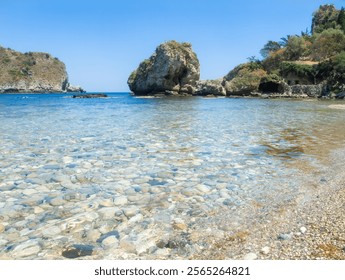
point(77, 250)
point(340, 95)
point(92, 95)
point(173, 69)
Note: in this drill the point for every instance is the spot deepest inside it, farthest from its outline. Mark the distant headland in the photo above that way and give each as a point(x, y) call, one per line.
point(32, 72)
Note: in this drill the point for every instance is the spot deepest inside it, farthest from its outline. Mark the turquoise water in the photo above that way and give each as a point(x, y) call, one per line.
point(73, 171)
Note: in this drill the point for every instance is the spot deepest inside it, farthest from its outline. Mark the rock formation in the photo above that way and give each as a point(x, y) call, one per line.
point(32, 72)
point(243, 80)
point(173, 69)
point(210, 87)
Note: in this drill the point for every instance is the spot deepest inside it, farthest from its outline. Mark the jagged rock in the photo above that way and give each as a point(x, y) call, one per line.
point(71, 88)
point(308, 90)
point(210, 87)
point(173, 69)
point(31, 72)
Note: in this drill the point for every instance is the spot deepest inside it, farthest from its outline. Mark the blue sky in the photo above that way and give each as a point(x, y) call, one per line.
point(102, 41)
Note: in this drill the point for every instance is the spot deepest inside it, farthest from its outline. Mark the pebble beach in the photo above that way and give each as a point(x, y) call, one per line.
point(138, 178)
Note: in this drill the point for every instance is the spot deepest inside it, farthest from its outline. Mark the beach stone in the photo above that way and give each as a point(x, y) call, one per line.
point(106, 203)
point(93, 235)
point(303, 230)
point(2, 228)
point(51, 231)
point(110, 241)
point(127, 244)
point(29, 191)
point(58, 201)
point(28, 248)
point(38, 210)
point(77, 250)
point(107, 212)
point(265, 250)
point(250, 256)
point(284, 236)
point(120, 200)
point(136, 218)
point(130, 212)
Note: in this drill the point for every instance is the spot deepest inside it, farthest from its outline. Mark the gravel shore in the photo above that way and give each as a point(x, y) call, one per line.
point(310, 227)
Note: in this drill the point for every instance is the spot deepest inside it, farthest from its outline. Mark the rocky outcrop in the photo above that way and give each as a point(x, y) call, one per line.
point(308, 90)
point(32, 72)
point(243, 80)
point(71, 88)
point(92, 95)
point(210, 87)
point(173, 69)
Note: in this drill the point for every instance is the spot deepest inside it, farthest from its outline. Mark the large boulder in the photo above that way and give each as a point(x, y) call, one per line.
point(173, 69)
point(210, 87)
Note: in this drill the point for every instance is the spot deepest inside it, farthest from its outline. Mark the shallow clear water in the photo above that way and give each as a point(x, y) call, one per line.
point(76, 171)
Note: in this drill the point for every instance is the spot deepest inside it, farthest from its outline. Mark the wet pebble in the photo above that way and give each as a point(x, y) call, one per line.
point(58, 201)
point(77, 251)
point(28, 248)
point(51, 231)
point(120, 200)
point(110, 241)
point(93, 235)
point(2, 228)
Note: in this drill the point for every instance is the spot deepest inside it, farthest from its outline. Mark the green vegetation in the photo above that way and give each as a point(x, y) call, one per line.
point(311, 57)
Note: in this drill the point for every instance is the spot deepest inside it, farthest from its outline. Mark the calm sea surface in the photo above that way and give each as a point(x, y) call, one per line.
point(128, 175)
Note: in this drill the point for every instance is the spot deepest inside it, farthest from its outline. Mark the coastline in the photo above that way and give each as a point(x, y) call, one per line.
point(311, 227)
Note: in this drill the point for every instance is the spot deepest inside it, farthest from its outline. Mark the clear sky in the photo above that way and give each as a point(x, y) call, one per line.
point(103, 41)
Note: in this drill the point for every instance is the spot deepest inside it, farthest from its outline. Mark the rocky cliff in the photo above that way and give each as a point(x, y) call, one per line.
point(32, 72)
point(173, 69)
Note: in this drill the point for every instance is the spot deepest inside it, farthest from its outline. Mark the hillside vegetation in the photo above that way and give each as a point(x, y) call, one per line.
point(32, 72)
point(309, 58)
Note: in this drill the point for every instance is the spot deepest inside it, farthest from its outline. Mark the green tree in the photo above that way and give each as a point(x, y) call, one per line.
point(341, 19)
point(296, 47)
point(327, 44)
point(324, 18)
point(269, 47)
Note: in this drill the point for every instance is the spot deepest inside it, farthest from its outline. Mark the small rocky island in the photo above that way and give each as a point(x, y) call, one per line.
point(32, 72)
point(309, 65)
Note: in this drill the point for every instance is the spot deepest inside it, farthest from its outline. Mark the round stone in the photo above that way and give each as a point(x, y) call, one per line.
point(28, 248)
point(120, 200)
point(303, 230)
point(2, 228)
point(51, 231)
point(265, 250)
point(110, 241)
point(250, 256)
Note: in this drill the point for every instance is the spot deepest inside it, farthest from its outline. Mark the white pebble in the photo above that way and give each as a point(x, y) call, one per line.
point(303, 230)
point(265, 250)
point(250, 256)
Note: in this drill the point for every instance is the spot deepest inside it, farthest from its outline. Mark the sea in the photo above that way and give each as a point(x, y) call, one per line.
point(128, 177)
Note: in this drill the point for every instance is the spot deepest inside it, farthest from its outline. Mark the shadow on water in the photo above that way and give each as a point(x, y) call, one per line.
point(289, 144)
